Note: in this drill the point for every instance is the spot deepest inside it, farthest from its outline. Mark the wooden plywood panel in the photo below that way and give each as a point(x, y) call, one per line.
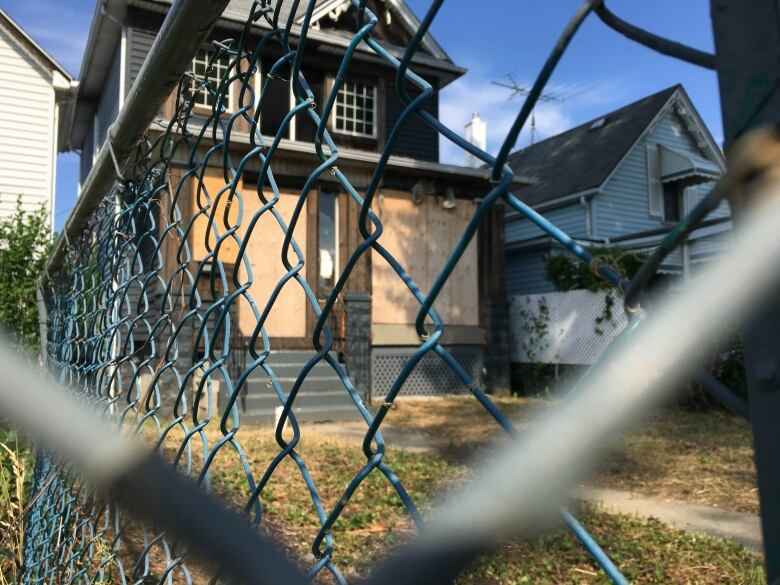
point(437, 238)
point(212, 192)
point(405, 224)
point(462, 289)
point(422, 237)
point(288, 316)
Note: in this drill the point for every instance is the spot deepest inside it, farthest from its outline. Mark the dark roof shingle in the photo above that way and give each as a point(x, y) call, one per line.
point(582, 158)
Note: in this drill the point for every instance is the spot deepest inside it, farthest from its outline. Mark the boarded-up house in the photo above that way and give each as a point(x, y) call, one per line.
point(423, 204)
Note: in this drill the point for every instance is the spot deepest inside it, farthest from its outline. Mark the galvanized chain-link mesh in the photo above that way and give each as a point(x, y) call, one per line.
point(142, 318)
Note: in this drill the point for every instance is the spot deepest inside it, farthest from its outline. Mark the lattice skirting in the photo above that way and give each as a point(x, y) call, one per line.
point(431, 376)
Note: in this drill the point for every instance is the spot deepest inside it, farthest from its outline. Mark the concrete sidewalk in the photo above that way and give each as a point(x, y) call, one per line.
point(697, 518)
point(737, 526)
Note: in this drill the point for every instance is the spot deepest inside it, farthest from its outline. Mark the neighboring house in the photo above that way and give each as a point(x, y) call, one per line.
point(423, 204)
point(36, 96)
point(623, 179)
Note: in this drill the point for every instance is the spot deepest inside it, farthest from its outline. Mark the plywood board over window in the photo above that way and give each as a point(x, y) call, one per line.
point(264, 252)
point(421, 237)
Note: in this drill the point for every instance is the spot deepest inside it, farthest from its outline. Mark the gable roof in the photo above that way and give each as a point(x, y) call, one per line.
point(238, 11)
point(584, 157)
point(32, 47)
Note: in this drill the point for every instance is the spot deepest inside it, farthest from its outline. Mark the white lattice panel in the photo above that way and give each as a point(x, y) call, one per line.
point(572, 333)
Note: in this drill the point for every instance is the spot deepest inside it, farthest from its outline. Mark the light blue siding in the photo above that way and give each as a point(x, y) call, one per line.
point(570, 218)
point(623, 206)
point(525, 273)
point(721, 210)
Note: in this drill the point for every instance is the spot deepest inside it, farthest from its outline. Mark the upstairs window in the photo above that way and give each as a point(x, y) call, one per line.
point(212, 73)
point(356, 109)
point(674, 202)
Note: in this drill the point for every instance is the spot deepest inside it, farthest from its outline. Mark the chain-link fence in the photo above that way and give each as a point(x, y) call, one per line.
point(212, 277)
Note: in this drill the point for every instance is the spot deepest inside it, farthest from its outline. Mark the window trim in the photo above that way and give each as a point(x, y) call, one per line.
point(375, 113)
point(258, 88)
point(336, 259)
point(201, 108)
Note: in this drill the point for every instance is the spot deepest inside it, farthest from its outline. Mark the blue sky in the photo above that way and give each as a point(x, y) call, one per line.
point(491, 39)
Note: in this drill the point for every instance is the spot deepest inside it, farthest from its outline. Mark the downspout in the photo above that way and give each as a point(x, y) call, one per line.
point(585, 202)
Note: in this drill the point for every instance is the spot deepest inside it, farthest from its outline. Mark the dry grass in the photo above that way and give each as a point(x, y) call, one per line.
point(15, 469)
point(702, 457)
point(706, 458)
point(375, 521)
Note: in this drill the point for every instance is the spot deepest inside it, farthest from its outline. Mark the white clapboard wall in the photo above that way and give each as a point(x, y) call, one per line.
point(27, 128)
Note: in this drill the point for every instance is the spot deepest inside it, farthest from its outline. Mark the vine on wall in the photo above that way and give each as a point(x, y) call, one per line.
point(567, 273)
point(535, 327)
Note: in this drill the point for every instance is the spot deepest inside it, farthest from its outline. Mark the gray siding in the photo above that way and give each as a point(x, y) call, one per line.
point(525, 273)
point(623, 206)
point(570, 218)
point(139, 43)
point(108, 106)
point(417, 139)
point(87, 152)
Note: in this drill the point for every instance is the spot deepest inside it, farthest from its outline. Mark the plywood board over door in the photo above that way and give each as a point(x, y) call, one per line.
point(287, 317)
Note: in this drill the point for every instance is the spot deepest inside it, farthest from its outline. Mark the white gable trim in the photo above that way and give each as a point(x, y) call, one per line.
point(336, 7)
point(692, 117)
point(408, 19)
point(412, 23)
point(695, 125)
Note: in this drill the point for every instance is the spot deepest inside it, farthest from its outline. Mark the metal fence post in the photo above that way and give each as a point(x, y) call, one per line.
point(747, 40)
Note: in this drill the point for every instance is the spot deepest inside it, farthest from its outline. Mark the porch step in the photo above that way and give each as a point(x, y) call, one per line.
point(322, 395)
point(291, 370)
point(303, 414)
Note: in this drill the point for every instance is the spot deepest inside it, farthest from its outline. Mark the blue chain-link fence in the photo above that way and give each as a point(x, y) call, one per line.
point(155, 315)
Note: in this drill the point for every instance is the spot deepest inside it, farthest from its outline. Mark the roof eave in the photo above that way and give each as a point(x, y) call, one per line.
point(104, 36)
point(437, 62)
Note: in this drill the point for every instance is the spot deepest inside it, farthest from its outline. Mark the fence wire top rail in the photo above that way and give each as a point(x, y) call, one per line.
point(144, 306)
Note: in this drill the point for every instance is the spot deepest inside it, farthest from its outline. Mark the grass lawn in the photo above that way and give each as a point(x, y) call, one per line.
point(702, 457)
point(676, 454)
point(375, 521)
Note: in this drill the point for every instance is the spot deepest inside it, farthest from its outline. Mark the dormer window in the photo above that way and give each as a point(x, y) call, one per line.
point(356, 109)
point(212, 72)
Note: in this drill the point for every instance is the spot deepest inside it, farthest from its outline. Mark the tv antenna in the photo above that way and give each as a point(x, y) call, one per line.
point(563, 93)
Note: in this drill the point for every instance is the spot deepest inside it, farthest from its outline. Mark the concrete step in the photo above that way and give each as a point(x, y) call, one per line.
point(322, 369)
point(303, 414)
point(311, 383)
point(291, 356)
point(321, 397)
point(269, 400)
